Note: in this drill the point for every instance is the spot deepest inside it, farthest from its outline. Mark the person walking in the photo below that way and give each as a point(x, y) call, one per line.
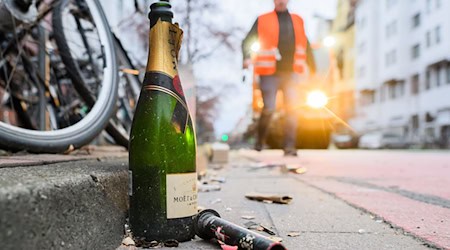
point(283, 56)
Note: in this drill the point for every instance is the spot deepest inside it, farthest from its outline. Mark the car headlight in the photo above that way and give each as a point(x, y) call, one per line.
point(316, 99)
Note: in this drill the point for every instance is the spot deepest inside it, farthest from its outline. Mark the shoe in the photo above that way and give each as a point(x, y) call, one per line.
point(258, 146)
point(290, 152)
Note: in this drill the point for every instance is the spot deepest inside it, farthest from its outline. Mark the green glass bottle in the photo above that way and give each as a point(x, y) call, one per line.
point(163, 191)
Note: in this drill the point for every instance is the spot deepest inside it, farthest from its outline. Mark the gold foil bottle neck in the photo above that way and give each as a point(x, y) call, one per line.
point(165, 42)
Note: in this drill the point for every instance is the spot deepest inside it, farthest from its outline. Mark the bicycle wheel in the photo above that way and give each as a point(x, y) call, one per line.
point(82, 69)
point(84, 127)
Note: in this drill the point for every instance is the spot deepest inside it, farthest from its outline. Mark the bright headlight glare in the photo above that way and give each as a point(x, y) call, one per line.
point(255, 47)
point(317, 99)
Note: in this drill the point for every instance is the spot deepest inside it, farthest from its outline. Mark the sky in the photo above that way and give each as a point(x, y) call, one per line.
point(225, 67)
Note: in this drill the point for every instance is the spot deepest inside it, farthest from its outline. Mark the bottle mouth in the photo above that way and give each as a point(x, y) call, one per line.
point(161, 9)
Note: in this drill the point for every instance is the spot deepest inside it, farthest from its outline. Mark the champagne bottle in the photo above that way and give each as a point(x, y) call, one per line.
point(163, 192)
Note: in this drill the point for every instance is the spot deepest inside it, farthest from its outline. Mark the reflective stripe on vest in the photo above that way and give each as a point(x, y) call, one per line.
point(268, 32)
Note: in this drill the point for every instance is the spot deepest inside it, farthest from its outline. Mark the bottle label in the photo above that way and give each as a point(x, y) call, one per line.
point(181, 195)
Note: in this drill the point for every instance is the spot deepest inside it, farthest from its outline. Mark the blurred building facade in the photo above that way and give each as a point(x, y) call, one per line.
point(402, 69)
point(343, 30)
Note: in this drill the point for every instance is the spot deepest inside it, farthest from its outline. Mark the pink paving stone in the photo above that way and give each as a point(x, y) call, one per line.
point(420, 172)
point(426, 221)
point(13, 162)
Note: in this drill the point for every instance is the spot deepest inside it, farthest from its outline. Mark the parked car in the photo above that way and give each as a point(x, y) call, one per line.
point(345, 140)
point(379, 140)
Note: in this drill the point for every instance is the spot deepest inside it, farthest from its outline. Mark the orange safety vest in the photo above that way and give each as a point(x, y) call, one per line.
point(265, 60)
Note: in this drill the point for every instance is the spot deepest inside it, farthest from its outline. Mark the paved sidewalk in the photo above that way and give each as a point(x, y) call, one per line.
point(322, 220)
point(79, 201)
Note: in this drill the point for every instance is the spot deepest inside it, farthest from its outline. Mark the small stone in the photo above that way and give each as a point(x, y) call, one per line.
point(228, 209)
point(171, 243)
point(361, 231)
point(248, 217)
point(275, 238)
point(293, 234)
point(70, 149)
point(128, 241)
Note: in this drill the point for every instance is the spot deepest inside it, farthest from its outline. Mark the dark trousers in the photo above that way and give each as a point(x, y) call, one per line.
point(286, 82)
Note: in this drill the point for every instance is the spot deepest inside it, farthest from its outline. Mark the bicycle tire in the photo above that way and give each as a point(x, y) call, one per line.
point(134, 85)
point(74, 73)
point(84, 131)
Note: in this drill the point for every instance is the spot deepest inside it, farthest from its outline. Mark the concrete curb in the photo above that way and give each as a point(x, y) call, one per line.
point(71, 205)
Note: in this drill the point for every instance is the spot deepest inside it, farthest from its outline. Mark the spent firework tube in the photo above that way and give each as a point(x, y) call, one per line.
point(208, 225)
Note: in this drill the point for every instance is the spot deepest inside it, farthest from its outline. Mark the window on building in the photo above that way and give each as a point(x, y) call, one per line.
point(382, 93)
point(400, 89)
point(391, 57)
point(391, 91)
point(437, 33)
point(394, 27)
point(396, 89)
point(416, 20)
point(438, 76)
point(415, 84)
point(415, 51)
point(361, 72)
point(391, 29)
point(428, 38)
point(447, 71)
point(427, 79)
point(415, 123)
point(367, 97)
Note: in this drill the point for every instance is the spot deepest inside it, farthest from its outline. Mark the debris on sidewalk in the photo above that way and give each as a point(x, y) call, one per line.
point(267, 230)
point(208, 187)
point(218, 179)
point(208, 225)
point(171, 243)
point(263, 165)
point(69, 150)
point(280, 199)
point(276, 239)
point(218, 200)
point(141, 242)
point(227, 247)
point(220, 152)
point(296, 168)
point(128, 241)
point(293, 234)
point(253, 226)
point(259, 227)
point(248, 217)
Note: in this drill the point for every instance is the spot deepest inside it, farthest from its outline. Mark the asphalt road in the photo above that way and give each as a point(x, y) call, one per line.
point(408, 189)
